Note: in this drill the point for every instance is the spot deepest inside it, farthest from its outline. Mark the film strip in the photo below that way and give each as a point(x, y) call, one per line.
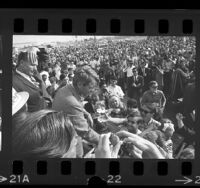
point(94, 23)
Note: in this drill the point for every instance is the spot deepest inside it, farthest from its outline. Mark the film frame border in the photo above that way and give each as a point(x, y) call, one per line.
point(124, 22)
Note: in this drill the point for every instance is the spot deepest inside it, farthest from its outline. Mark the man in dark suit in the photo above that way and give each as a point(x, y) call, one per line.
point(136, 85)
point(146, 73)
point(27, 78)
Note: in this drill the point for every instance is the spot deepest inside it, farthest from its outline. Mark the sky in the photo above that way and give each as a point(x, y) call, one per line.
point(45, 38)
point(17, 39)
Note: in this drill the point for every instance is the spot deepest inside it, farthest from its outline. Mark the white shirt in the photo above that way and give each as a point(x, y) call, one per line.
point(129, 71)
point(116, 90)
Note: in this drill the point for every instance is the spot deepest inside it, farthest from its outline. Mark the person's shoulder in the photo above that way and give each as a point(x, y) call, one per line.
point(118, 87)
point(160, 92)
point(147, 92)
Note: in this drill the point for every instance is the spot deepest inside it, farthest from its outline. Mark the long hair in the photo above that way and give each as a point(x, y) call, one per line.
point(45, 133)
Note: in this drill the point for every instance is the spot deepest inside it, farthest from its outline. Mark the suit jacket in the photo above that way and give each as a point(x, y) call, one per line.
point(68, 101)
point(36, 99)
point(89, 108)
point(140, 80)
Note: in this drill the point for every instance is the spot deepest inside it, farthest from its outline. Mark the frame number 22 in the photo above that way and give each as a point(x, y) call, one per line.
point(114, 179)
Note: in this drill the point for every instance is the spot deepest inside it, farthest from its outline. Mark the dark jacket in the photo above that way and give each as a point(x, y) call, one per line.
point(36, 99)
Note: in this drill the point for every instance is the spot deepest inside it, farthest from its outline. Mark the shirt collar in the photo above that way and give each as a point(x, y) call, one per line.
point(75, 93)
point(24, 75)
point(151, 120)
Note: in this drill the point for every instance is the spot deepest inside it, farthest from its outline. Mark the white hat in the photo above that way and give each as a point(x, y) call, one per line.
point(19, 99)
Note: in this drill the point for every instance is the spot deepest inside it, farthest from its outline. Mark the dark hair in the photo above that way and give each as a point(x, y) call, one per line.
point(134, 114)
point(151, 83)
point(85, 74)
point(45, 133)
point(62, 76)
point(132, 103)
point(53, 79)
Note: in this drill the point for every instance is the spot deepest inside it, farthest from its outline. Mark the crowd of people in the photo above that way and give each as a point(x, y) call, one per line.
point(125, 99)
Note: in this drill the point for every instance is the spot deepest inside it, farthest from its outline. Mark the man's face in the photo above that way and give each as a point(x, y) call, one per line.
point(135, 73)
point(29, 68)
point(132, 124)
point(113, 82)
point(154, 88)
point(85, 90)
point(44, 77)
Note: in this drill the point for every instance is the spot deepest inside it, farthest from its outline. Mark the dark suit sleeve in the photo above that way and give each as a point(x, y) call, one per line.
point(141, 81)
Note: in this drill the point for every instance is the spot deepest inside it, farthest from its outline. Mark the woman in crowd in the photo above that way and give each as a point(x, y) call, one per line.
point(116, 107)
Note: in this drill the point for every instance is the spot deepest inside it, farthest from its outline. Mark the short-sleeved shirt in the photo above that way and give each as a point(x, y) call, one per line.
point(116, 90)
point(149, 98)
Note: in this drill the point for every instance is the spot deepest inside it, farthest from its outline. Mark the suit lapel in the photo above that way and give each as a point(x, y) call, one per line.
point(25, 81)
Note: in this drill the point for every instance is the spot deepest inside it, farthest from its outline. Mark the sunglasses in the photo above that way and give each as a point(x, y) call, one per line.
point(154, 87)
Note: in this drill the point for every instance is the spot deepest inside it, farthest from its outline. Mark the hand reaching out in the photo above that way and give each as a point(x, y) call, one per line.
point(149, 149)
point(104, 149)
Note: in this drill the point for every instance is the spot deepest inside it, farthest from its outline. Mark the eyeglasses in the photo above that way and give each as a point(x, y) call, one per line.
point(154, 87)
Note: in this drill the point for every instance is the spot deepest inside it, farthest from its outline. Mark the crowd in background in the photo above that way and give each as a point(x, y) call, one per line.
point(125, 98)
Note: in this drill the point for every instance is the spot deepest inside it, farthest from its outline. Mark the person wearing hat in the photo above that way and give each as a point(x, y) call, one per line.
point(19, 101)
point(26, 78)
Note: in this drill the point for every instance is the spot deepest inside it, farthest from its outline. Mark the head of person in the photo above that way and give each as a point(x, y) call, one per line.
point(94, 98)
point(27, 62)
point(63, 77)
point(132, 105)
point(44, 77)
point(188, 153)
point(19, 102)
point(70, 70)
point(85, 80)
point(70, 76)
point(53, 80)
point(133, 122)
point(135, 72)
point(114, 102)
point(129, 61)
point(168, 127)
point(113, 81)
point(43, 134)
point(153, 86)
point(147, 113)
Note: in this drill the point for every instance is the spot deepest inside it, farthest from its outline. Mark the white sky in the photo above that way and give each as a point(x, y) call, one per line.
point(45, 38)
point(39, 39)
